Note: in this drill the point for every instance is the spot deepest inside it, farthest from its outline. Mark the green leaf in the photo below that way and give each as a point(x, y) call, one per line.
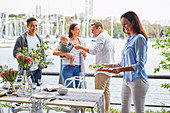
point(168, 59)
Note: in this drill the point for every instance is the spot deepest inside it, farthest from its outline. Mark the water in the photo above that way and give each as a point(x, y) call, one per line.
point(155, 95)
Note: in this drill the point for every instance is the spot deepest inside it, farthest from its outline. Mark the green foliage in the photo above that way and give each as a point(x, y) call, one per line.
point(36, 56)
point(112, 110)
point(149, 111)
point(164, 45)
point(40, 56)
point(166, 86)
point(12, 15)
point(2, 68)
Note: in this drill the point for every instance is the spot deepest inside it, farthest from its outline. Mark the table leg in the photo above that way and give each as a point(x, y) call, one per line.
point(92, 110)
point(1, 109)
point(75, 110)
point(83, 110)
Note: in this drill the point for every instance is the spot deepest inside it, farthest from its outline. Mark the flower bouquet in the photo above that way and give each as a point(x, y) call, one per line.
point(9, 75)
point(24, 59)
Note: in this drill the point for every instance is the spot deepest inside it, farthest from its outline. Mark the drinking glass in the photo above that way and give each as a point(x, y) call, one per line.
point(81, 76)
point(34, 85)
point(40, 83)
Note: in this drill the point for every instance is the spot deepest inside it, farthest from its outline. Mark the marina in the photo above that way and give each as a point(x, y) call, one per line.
point(53, 22)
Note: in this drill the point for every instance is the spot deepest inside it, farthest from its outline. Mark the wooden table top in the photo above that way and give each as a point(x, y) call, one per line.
point(56, 102)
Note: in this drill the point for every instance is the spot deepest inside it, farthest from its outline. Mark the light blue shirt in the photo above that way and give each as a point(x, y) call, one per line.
point(134, 54)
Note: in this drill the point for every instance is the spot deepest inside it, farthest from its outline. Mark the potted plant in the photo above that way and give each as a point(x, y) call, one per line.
point(9, 75)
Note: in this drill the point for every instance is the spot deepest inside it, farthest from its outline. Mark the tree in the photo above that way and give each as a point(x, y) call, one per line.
point(164, 44)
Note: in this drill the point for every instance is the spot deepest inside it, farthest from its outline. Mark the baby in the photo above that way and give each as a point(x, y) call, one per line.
point(66, 46)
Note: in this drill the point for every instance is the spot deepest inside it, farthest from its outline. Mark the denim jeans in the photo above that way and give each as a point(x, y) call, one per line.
point(70, 71)
point(35, 75)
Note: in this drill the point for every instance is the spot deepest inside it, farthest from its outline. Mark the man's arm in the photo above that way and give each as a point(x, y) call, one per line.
point(17, 45)
point(59, 53)
point(81, 47)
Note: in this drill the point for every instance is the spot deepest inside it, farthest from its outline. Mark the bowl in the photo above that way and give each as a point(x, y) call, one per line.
point(62, 91)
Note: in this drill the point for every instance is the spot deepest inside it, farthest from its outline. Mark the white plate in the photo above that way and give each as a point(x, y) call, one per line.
point(2, 92)
point(51, 87)
point(43, 95)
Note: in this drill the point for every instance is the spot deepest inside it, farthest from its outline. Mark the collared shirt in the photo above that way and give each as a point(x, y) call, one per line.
point(134, 54)
point(103, 49)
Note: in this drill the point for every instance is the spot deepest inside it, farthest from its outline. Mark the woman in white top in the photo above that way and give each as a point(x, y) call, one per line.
point(68, 70)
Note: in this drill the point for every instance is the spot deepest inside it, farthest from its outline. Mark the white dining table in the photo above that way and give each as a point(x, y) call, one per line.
point(58, 102)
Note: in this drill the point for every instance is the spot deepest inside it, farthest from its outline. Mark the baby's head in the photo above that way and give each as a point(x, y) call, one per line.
point(64, 39)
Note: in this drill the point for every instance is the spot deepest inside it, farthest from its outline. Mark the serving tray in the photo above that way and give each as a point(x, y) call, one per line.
point(95, 69)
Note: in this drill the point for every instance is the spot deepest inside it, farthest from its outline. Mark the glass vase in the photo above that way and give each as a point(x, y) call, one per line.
point(26, 84)
point(11, 88)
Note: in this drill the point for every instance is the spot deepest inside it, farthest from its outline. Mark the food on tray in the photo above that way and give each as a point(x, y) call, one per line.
point(97, 66)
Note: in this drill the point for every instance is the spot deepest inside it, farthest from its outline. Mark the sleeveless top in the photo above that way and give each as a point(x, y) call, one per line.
point(81, 62)
point(79, 58)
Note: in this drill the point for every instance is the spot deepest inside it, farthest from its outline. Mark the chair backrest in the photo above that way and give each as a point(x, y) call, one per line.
point(81, 79)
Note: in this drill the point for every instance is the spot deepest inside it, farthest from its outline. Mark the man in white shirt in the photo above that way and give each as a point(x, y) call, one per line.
point(30, 39)
point(104, 51)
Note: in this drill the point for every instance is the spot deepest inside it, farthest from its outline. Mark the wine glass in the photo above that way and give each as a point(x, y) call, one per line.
point(34, 85)
point(81, 76)
point(40, 83)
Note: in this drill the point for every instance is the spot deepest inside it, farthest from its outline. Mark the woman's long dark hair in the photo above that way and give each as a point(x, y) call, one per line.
point(137, 27)
point(72, 26)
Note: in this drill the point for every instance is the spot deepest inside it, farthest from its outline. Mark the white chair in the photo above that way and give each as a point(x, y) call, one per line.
point(81, 79)
point(16, 107)
point(82, 83)
point(1, 109)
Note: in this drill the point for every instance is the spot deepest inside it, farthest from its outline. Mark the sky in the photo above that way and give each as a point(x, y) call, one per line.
point(151, 10)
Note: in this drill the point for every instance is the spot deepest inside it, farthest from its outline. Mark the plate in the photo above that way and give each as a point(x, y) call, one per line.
point(2, 92)
point(94, 69)
point(51, 87)
point(43, 95)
